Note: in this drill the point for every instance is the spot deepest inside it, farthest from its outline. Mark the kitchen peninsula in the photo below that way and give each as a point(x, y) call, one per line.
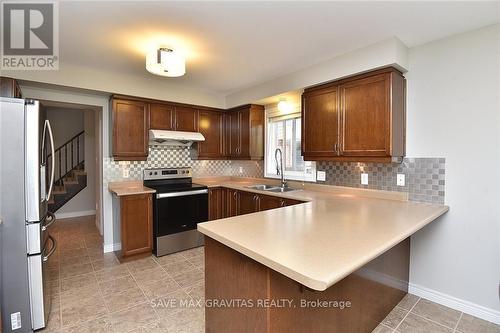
point(344, 246)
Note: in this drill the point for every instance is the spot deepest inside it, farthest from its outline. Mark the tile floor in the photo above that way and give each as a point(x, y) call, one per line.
point(94, 292)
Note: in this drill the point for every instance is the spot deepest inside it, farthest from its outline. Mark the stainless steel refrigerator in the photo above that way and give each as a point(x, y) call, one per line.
point(26, 179)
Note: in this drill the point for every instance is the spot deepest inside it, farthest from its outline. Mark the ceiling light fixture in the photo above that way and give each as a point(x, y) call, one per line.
point(284, 106)
point(165, 62)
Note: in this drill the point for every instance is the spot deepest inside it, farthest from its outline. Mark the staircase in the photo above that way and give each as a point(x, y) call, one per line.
point(69, 167)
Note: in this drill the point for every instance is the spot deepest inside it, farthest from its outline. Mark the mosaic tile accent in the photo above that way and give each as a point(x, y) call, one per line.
point(168, 157)
point(425, 177)
point(254, 169)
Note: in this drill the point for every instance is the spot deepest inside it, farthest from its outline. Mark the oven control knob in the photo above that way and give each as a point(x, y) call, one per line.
point(150, 173)
point(156, 173)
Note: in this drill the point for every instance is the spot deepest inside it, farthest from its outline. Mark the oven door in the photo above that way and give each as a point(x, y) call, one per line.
point(179, 211)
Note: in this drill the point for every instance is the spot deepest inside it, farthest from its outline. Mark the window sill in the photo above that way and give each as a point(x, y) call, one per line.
point(292, 177)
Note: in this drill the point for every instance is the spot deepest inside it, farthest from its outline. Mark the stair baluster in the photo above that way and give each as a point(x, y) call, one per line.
point(72, 179)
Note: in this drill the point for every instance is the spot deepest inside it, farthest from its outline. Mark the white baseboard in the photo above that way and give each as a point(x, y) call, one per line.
point(473, 309)
point(75, 214)
point(112, 247)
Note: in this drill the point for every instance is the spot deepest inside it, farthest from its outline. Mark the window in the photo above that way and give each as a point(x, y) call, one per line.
point(284, 132)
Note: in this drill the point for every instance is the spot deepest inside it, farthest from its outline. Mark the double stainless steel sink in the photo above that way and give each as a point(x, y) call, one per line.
point(270, 188)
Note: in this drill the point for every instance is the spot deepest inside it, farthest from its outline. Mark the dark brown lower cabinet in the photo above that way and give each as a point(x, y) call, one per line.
point(370, 299)
point(231, 202)
point(291, 202)
point(248, 202)
point(225, 202)
point(215, 203)
point(270, 202)
point(136, 219)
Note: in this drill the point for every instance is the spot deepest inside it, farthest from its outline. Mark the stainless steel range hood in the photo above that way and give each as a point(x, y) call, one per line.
point(174, 138)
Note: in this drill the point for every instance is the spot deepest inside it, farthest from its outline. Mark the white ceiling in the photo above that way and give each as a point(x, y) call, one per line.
point(234, 45)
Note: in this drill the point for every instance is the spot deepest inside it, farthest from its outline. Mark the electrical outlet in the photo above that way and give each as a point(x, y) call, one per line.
point(241, 170)
point(364, 179)
point(15, 320)
point(125, 173)
point(321, 176)
point(400, 181)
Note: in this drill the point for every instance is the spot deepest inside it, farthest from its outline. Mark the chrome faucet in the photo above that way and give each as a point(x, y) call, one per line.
point(279, 167)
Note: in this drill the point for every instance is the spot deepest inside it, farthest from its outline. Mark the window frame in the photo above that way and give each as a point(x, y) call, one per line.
point(273, 112)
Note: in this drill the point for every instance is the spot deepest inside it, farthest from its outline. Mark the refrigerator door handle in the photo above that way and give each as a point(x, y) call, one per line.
point(52, 220)
point(52, 250)
point(52, 155)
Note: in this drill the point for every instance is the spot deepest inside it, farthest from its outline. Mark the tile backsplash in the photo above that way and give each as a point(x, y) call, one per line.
point(424, 177)
point(166, 157)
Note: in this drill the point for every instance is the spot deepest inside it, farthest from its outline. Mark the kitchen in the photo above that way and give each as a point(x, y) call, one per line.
point(300, 183)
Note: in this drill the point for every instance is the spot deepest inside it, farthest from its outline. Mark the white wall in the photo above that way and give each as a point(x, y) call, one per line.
point(65, 123)
point(391, 52)
point(454, 112)
point(84, 203)
point(120, 83)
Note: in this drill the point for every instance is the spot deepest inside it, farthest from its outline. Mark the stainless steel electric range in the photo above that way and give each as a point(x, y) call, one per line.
point(178, 206)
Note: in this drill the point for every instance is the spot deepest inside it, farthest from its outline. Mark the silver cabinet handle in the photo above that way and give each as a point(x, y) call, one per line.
point(180, 194)
point(52, 250)
point(52, 220)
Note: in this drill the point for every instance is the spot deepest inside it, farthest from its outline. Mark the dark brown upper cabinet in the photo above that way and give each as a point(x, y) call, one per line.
point(162, 117)
point(320, 119)
point(211, 125)
point(245, 132)
point(130, 120)
point(361, 118)
point(9, 88)
point(186, 119)
point(174, 118)
point(229, 134)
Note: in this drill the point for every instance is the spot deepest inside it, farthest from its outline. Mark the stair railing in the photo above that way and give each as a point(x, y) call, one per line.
point(68, 157)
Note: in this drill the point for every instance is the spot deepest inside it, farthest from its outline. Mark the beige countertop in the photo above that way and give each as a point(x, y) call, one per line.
point(317, 243)
point(129, 188)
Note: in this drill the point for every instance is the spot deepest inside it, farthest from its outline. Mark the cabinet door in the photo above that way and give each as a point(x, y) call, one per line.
point(291, 202)
point(233, 123)
point(231, 200)
point(9, 88)
point(320, 123)
point(365, 121)
point(244, 132)
point(186, 119)
point(269, 202)
point(161, 117)
point(215, 205)
point(247, 202)
point(130, 129)
point(211, 125)
point(136, 218)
